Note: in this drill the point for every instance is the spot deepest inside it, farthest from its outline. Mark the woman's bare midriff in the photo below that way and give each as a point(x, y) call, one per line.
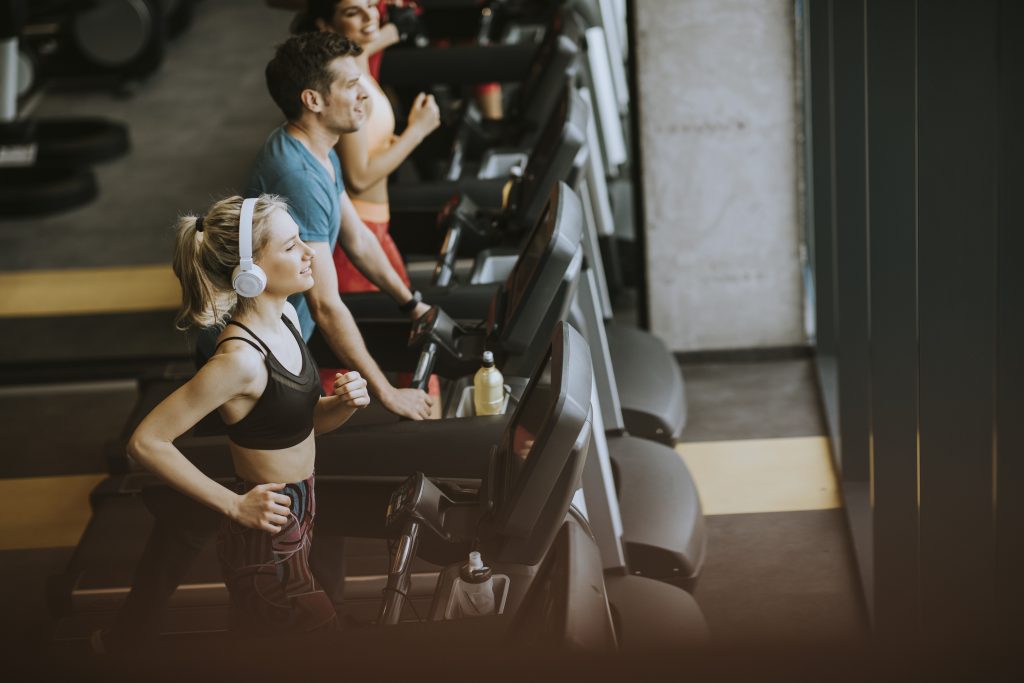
point(282, 466)
point(376, 193)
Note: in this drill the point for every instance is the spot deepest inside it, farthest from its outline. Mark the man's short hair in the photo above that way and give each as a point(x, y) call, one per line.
point(303, 63)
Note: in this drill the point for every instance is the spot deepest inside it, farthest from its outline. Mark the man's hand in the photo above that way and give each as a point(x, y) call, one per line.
point(413, 404)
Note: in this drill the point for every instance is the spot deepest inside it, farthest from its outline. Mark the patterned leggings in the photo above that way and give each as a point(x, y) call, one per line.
point(271, 587)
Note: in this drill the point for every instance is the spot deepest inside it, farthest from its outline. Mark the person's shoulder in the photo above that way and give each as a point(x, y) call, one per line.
point(271, 145)
point(237, 359)
point(281, 151)
point(292, 169)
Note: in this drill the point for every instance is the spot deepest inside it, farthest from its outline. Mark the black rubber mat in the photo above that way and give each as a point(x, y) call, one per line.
point(751, 400)
point(787, 575)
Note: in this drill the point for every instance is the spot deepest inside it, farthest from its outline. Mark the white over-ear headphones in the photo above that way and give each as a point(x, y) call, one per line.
point(248, 279)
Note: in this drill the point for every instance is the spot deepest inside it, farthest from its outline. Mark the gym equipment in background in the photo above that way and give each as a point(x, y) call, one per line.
point(43, 162)
point(98, 43)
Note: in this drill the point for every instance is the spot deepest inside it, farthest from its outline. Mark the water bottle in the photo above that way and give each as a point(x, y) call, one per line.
point(476, 588)
point(488, 388)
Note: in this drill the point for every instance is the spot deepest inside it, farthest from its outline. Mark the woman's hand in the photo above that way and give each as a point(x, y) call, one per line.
point(261, 508)
point(425, 115)
point(351, 389)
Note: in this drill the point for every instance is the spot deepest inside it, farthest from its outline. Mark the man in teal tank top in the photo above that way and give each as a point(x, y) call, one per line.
point(315, 82)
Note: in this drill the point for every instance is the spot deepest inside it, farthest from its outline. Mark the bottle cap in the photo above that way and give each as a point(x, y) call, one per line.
point(475, 562)
point(475, 571)
point(488, 358)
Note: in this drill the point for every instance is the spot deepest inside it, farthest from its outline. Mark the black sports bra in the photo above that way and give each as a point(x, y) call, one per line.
point(283, 414)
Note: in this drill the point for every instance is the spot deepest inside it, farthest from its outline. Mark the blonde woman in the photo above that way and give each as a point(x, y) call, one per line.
point(243, 259)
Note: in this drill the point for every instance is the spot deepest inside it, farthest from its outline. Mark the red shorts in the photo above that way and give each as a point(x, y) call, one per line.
point(351, 280)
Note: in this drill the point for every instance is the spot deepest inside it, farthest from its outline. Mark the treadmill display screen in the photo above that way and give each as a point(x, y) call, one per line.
point(528, 264)
point(529, 421)
point(541, 157)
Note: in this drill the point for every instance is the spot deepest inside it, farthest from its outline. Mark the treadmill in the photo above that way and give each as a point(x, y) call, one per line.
point(518, 515)
point(655, 525)
point(98, 575)
point(527, 110)
point(497, 208)
point(473, 42)
point(652, 389)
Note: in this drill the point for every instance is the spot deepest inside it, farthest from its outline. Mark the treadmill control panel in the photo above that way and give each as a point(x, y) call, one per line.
point(418, 499)
point(403, 499)
point(437, 326)
point(423, 326)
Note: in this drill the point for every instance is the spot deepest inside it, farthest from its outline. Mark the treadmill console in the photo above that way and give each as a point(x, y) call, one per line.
point(437, 326)
point(419, 499)
point(540, 457)
point(534, 471)
point(535, 292)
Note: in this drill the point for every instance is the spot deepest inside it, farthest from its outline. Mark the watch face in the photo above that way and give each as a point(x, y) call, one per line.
point(409, 305)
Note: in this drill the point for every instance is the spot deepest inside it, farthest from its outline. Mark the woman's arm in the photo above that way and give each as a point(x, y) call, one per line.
point(350, 394)
point(227, 375)
point(386, 37)
point(363, 170)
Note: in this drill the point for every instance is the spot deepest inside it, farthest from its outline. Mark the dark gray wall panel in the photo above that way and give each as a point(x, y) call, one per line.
point(851, 235)
point(937, 399)
point(892, 214)
point(1010, 355)
point(957, 143)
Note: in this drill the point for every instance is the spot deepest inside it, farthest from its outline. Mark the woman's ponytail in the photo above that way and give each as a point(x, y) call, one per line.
point(205, 258)
point(199, 296)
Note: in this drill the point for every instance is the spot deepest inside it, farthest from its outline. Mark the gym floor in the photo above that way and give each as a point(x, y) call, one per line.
point(779, 562)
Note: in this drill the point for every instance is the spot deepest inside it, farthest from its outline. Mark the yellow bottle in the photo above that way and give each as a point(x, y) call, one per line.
point(488, 388)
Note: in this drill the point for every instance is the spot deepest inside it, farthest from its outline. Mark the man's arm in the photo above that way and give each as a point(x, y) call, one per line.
point(363, 248)
point(339, 329)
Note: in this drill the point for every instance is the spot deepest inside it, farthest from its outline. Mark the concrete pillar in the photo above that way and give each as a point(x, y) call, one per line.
point(719, 149)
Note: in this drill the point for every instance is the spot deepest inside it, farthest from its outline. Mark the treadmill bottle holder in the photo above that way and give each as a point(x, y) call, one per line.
point(460, 396)
point(498, 163)
point(467, 408)
point(493, 265)
point(451, 609)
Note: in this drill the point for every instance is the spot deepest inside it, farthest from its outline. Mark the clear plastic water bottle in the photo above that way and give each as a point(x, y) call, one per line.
point(488, 388)
point(476, 588)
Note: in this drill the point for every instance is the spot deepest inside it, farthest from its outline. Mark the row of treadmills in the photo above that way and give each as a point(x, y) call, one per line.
point(575, 495)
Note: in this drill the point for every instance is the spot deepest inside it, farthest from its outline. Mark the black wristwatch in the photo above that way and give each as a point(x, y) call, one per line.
point(409, 305)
